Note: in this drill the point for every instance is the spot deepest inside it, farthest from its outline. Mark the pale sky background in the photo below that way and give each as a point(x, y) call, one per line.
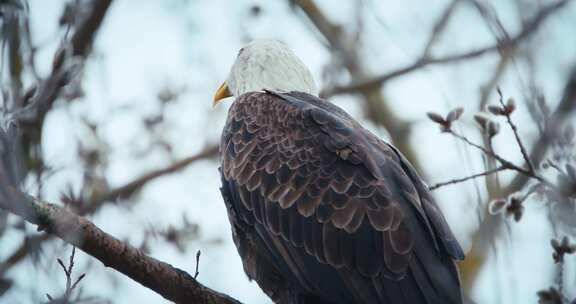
point(146, 45)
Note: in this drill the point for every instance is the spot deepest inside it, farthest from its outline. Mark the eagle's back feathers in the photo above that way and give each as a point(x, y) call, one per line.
point(323, 207)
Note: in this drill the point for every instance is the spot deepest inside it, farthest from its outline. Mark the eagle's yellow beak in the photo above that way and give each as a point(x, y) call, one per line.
point(221, 93)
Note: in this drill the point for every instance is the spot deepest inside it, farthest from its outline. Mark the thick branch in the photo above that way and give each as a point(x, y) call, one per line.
point(170, 282)
point(96, 202)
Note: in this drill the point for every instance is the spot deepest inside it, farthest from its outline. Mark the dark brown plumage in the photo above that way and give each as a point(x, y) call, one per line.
point(323, 211)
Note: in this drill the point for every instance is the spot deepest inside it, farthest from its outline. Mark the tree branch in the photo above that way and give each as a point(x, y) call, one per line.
point(133, 186)
point(439, 27)
point(512, 43)
point(170, 282)
point(78, 46)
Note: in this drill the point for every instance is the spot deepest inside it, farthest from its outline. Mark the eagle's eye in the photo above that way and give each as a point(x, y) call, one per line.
point(240, 52)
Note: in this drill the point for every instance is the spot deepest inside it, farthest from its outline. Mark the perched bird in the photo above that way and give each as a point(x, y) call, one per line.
point(321, 209)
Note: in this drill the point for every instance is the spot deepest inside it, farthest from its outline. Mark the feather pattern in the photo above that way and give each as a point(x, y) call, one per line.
point(318, 188)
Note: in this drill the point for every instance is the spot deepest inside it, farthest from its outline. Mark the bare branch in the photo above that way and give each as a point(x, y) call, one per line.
point(121, 192)
point(196, 273)
point(463, 179)
point(566, 107)
point(439, 27)
point(529, 28)
point(133, 186)
point(70, 286)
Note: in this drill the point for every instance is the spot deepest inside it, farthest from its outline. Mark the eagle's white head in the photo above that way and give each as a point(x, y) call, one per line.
point(266, 64)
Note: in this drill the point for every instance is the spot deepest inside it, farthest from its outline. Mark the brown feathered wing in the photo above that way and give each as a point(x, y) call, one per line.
point(325, 197)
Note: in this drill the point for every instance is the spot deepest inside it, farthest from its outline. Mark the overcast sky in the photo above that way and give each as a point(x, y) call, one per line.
point(144, 46)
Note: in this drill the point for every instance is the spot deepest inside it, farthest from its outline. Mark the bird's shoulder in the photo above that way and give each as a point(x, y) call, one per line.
point(274, 104)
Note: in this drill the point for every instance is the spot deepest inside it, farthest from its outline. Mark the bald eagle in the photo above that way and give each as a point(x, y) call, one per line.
point(321, 209)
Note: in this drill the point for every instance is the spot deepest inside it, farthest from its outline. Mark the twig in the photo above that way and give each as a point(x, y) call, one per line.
point(508, 115)
point(531, 191)
point(463, 179)
point(69, 285)
point(560, 278)
point(490, 17)
point(566, 107)
point(197, 264)
point(82, 276)
point(439, 27)
point(71, 264)
point(555, 167)
point(487, 152)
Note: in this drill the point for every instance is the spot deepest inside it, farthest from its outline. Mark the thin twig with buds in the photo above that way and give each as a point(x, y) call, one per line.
point(445, 124)
point(508, 109)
